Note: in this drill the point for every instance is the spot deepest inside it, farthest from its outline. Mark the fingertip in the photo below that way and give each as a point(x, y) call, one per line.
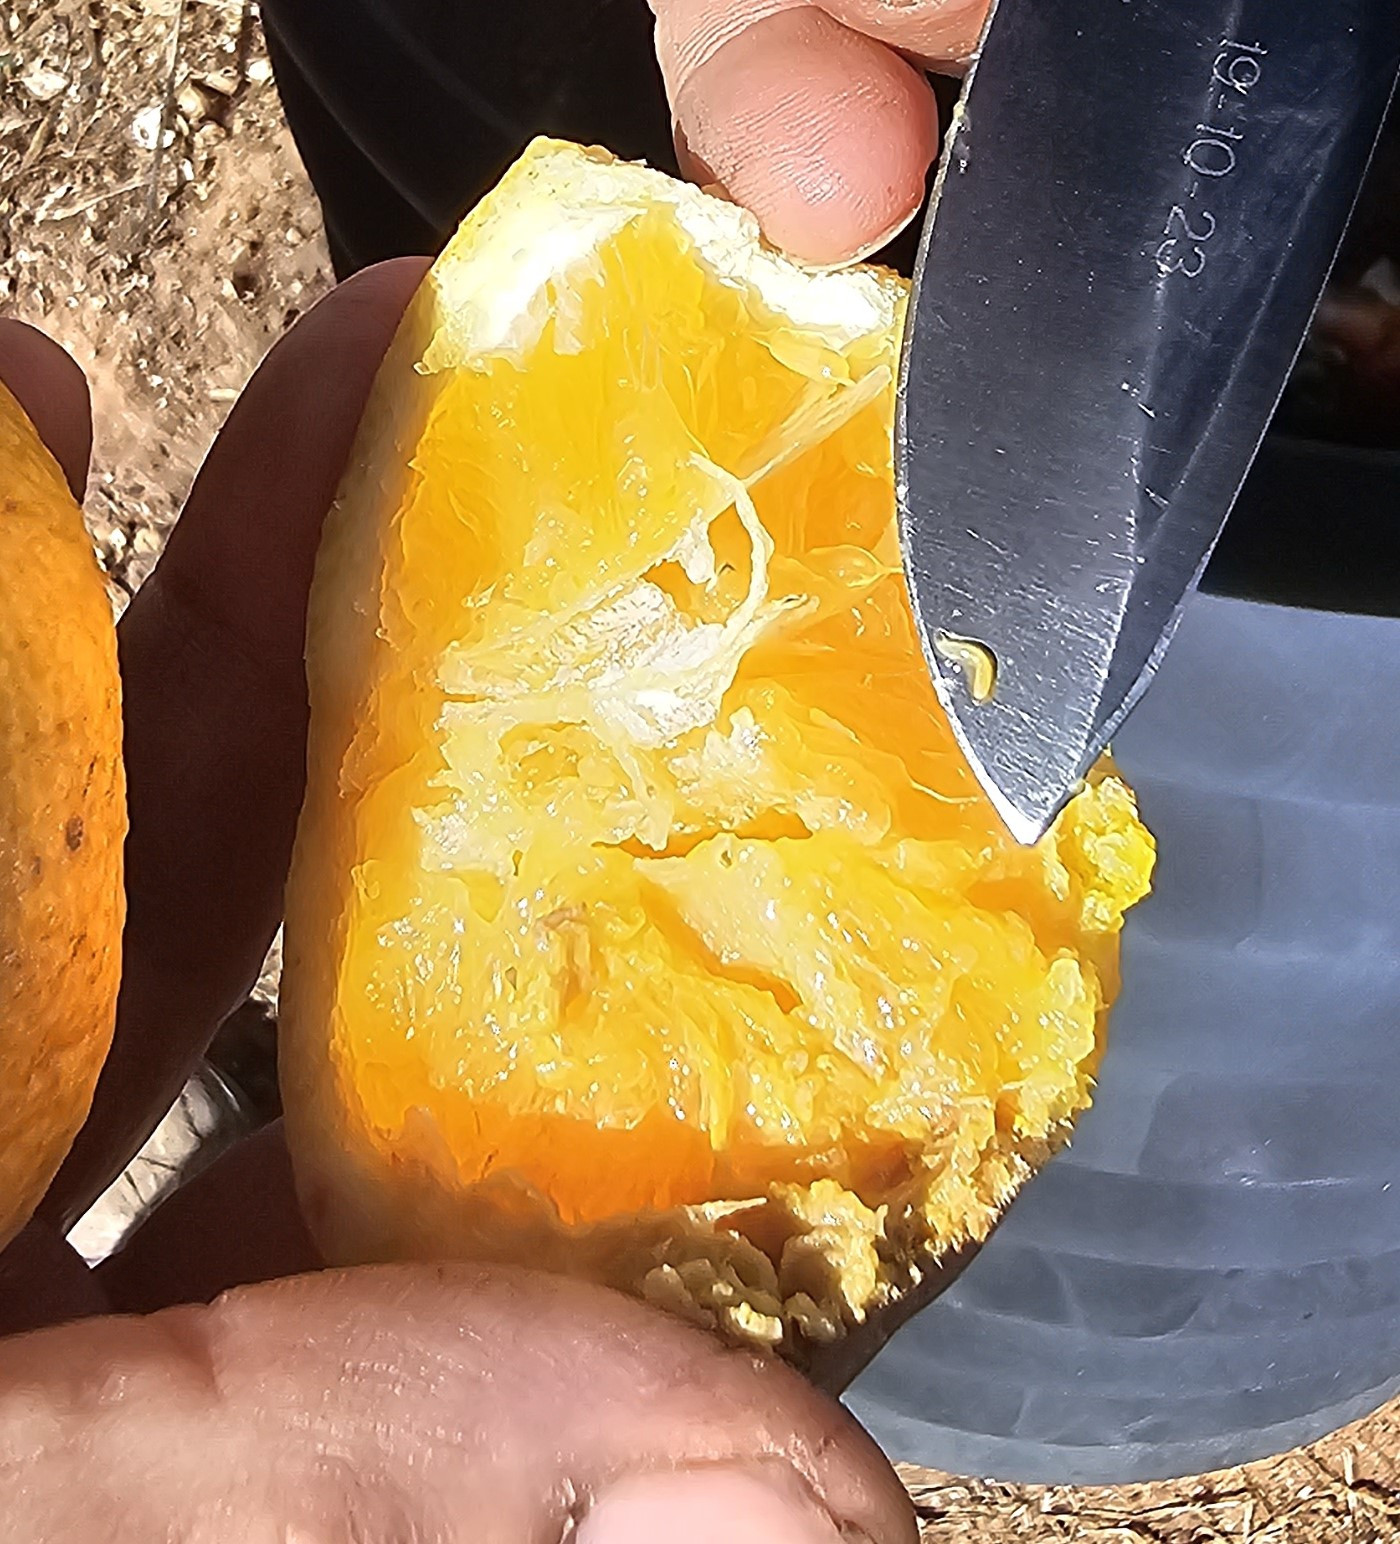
point(941, 32)
point(365, 309)
point(247, 539)
point(754, 1505)
point(49, 384)
point(826, 135)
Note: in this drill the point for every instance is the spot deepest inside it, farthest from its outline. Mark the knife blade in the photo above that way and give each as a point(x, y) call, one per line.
point(1136, 211)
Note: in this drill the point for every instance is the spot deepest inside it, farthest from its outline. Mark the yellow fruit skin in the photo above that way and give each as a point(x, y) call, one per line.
point(62, 819)
point(710, 976)
point(317, 1089)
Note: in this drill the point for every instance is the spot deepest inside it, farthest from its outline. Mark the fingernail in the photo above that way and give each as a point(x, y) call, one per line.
point(716, 1505)
point(693, 168)
point(874, 244)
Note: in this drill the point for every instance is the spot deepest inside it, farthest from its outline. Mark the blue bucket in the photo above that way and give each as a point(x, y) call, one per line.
point(1210, 1273)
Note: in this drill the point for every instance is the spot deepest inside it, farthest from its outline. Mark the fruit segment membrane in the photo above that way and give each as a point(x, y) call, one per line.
point(647, 875)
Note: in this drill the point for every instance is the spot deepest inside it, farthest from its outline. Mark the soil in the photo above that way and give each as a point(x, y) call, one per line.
point(1344, 1490)
point(154, 218)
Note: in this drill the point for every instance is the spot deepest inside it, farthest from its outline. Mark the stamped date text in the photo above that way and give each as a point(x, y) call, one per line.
point(1210, 157)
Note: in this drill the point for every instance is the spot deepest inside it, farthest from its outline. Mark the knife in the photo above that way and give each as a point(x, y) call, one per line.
point(1137, 208)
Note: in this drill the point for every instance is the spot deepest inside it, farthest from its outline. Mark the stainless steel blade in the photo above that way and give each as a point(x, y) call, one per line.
point(1137, 210)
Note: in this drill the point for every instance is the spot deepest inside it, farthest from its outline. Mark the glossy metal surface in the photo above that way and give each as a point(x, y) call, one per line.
point(1136, 214)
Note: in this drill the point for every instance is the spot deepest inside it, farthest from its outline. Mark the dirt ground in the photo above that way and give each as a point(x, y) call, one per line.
point(154, 218)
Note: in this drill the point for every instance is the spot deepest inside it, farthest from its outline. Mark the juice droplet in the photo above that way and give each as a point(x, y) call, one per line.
point(976, 661)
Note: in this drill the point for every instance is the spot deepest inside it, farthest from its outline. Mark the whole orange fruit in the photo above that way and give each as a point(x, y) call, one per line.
point(62, 819)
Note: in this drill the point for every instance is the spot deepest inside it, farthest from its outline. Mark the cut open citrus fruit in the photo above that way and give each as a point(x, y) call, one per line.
point(645, 921)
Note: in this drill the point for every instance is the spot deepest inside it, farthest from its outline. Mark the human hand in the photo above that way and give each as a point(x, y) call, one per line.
point(416, 1401)
point(1359, 336)
point(435, 1403)
point(816, 117)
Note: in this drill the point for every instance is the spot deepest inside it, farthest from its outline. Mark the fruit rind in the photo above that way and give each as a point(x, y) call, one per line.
point(62, 819)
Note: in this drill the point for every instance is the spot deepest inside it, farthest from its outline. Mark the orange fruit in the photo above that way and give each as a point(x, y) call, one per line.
point(62, 820)
point(645, 921)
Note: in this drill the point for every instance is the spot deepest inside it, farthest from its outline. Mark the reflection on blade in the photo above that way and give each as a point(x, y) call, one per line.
point(1135, 216)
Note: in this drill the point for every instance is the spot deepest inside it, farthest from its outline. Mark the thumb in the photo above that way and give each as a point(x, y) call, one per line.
point(823, 132)
point(437, 1403)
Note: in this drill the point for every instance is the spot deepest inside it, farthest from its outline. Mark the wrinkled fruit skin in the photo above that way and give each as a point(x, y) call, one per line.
point(62, 820)
point(645, 922)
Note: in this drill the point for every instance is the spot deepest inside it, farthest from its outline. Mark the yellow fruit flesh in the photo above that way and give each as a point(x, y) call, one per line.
point(62, 820)
point(639, 870)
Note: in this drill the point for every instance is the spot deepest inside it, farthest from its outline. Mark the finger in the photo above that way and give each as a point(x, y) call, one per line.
point(236, 1223)
point(1365, 328)
point(43, 1281)
point(451, 1403)
point(825, 134)
point(48, 383)
point(215, 716)
point(940, 32)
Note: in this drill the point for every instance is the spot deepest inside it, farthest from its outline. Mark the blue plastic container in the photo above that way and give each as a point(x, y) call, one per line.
point(1211, 1271)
